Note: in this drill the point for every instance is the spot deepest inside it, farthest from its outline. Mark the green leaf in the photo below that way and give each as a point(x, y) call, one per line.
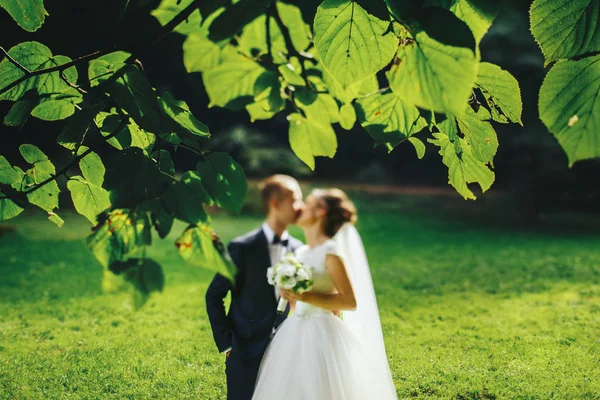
point(319, 107)
point(57, 106)
point(28, 14)
point(362, 88)
point(501, 92)
point(76, 128)
point(92, 167)
point(131, 135)
point(433, 75)
point(34, 56)
point(570, 106)
point(181, 117)
point(566, 29)
point(235, 17)
point(347, 116)
point(480, 135)
point(253, 40)
point(119, 233)
point(267, 92)
point(256, 112)
point(20, 112)
point(419, 146)
point(388, 119)
point(103, 68)
point(8, 208)
point(132, 91)
point(185, 199)
point(477, 14)
point(89, 199)
point(163, 222)
point(56, 219)
point(196, 247)
point(310, 138)
point(132, 177)
point(225, 181)
point(168, 9)
point(351, 43)
point(463, 168)
point(8, 174)
point(200, 53)
point(46, 197)
point(165, 163)
point(231, 84)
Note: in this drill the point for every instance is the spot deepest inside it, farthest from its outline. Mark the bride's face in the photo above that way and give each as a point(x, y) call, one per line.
point(312, 213)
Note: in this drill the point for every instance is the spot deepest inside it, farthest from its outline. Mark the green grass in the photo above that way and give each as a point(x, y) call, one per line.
point(469, 313)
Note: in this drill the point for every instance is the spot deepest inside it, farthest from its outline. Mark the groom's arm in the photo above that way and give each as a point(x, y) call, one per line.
point(215, 306)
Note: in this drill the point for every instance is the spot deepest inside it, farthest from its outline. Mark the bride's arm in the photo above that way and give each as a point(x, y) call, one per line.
point(343, 299)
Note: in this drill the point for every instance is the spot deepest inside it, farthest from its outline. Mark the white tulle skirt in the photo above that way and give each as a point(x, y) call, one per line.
point(313, 357)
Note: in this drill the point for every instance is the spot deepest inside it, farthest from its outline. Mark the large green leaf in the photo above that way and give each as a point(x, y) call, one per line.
point(566, 29)
point(163, 222)
point(352, 44)
point(185, 199)
point(267, 92)
point(57, 106)
point(168, 9)
point(76, 128)
point(570, 106)
point(46, 197)
point(388, 119)
point(119, 234)
point(196, 247)
point(225, 181)
point(103, 68)
point(365, 87)
point(89, 199)
point(92, 167)
point(463, 168)
point(29, 14)
point(34, 56)
point(310, 138)
point(20, 111)
point(501, 92)
point(180, 116)
point(433, 75)
point(231, 84)
point(8, 208)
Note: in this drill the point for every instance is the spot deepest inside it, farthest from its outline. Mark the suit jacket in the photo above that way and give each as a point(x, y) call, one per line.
point(247, 326)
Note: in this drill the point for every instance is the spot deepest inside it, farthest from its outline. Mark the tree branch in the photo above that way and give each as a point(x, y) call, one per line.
point(179, 18)
point(71, 163)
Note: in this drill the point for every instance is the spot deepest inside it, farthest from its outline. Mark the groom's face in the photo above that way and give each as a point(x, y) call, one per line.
point(290, 205)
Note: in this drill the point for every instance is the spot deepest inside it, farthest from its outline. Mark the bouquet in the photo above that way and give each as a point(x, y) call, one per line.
point(292, 275)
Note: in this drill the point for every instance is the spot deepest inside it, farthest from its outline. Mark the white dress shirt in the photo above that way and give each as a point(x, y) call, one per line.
point(276, 251)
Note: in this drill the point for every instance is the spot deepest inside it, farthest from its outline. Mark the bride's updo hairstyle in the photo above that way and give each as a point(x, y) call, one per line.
point(339, 209)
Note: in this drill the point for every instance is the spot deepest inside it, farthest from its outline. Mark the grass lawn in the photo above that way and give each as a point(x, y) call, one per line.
point(469, 312)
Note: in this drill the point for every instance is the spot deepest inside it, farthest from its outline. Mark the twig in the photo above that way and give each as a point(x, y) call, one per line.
point(69, 83)
point(71, 163)
point(179, 18)
point(382, 90)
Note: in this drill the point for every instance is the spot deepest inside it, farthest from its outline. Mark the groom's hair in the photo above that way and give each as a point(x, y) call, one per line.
point(275, 185)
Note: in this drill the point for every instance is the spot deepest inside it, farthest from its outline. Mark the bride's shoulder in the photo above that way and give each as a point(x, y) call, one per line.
point(331, 247)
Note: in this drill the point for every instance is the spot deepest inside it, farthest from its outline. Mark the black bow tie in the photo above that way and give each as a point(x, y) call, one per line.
point(277, 240)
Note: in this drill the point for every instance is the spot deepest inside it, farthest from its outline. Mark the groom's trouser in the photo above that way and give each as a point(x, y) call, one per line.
point(241, 377)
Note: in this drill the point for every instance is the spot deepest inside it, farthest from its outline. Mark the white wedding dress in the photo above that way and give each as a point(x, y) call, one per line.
point(318, 356)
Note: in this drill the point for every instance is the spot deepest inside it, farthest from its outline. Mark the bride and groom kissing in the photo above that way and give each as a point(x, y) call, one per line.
point(331, 346)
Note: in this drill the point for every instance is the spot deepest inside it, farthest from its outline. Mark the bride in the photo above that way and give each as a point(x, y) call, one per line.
point(316, 355)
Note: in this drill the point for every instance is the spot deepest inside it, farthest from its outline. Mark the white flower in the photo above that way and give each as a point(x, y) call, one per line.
point(271, 275)
point(303, 274)
point(289, 283)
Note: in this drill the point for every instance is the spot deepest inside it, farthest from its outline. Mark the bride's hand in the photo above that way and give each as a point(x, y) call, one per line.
point(291, 296)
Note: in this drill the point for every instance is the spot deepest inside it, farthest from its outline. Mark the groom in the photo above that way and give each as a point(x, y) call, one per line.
point(243, 333)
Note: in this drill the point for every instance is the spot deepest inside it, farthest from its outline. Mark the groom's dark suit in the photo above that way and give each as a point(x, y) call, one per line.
point(252, 315)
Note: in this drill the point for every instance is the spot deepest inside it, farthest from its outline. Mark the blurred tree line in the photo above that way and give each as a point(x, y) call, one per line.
point(531, 169)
